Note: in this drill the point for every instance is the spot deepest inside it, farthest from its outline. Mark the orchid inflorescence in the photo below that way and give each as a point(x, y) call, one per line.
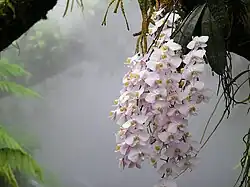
point(161, 90)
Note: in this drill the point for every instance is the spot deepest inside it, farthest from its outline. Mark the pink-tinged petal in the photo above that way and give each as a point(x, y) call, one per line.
point(124, 97)
point(118, 138)
point(175, 61)
point(203, 39)
point(156, 55)
point(198, 67)
point(163, 136)
point(162, 169)
point(143, 143)
point(161, 119)
point(150, 97)
point(184, 109)
point(121, 120)
point(140, 119)
point(172, 18)
point(188, 58)
point(133, 155)
point(199, 85)
point(160, 22)
point(121, 163)
point(151, 78)
point(162, 91)
point(144, 110)
point(127, 124)
point(176, 76)
point(184, 147)
point(131, 165)
point(165, 34)
point(170, 152)
point(142, 74)
point(172, 127)
point(185, 93)
point(152, 30)
point(199, 53)
point(143, 136)
point(191, 44)
point(195, 146)
point(203, 45)
point(171, 111)
point(159, 106)
point(173, 46)
point(152, 65)
point(130, 139)
point(124, 148)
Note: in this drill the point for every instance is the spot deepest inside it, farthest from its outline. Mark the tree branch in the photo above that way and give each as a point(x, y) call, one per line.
point(17, 16)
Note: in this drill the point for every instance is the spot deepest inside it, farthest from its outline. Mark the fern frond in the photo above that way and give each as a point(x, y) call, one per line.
point(13, 157)
point(17, 159)
point(7, 141)
point(8, 175)
point(17, 89)
point(11, 70)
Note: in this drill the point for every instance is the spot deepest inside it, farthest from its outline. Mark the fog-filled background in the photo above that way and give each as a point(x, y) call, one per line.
point(70, 126)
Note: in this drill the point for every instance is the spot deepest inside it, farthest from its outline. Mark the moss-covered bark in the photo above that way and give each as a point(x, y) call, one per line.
point(17, 16)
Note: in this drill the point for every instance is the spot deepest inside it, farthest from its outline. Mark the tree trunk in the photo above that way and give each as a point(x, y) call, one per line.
point(17, 16)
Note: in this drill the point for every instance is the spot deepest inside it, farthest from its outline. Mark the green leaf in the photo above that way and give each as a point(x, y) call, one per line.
point(19, 160)
point(184, 33)
point(17, 89)
point(13, 157)
point(11, 70)
point(219, 12)
point(216, 49)
point(8, 175)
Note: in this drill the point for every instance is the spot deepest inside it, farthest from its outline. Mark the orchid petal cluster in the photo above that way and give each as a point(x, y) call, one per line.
point(162, 89)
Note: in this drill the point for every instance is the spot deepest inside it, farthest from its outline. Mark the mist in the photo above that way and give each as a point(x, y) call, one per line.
point(75, 139)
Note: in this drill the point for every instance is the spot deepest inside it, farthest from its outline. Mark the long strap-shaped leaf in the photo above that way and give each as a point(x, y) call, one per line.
point(184, 33)
point(216, 49)
point(219, 12)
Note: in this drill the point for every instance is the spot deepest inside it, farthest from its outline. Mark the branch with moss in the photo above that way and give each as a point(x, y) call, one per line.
point(17, 16)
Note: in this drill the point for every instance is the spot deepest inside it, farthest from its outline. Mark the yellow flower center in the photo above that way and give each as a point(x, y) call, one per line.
point(168, 81)
point(128, 61)
point(122, 109)
point(117, 148)
point(126, 84)
point(181, 70)
point(158, 81)
point(189, 98)
point(163, 56)
point(157, 148)
point(192, 109)
point(181, 83)
point(159, 66)
point(153, 161)
point(164, 48)
point(116, 102)
point(161, 35)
